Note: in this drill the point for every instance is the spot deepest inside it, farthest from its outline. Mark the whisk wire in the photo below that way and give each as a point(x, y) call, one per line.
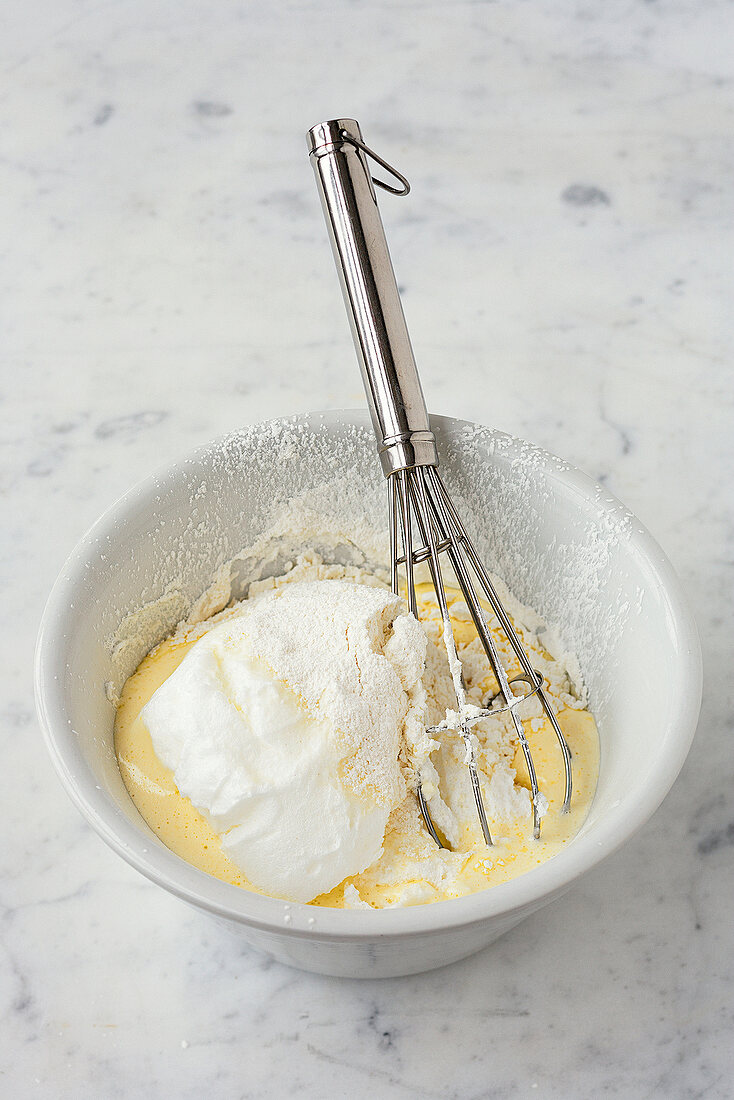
point(506, 624)
point(399, 512)
point(429, 524)
point(418, 495)
point(407, 530)
point(490, 648)
point(411, 489)
point(393, 520)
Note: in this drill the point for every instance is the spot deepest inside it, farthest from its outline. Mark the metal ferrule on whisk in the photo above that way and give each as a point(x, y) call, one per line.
point(424, 523)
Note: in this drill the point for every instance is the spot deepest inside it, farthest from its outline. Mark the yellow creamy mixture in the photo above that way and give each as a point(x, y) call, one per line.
point(412, 870)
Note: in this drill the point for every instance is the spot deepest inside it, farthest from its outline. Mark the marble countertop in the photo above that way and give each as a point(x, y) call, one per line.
point(565, 260)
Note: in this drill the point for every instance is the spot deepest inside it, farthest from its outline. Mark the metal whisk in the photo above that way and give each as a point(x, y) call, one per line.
point(424, 524)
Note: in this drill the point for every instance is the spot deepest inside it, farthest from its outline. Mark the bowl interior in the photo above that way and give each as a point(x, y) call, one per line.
point(561, 544)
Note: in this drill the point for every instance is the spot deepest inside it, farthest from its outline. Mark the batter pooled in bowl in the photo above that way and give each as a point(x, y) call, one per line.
point(278, 746)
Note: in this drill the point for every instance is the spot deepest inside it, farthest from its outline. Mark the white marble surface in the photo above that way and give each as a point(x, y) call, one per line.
point(565, 257)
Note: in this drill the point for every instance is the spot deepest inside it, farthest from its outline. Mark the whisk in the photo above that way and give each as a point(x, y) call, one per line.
point(424, 524)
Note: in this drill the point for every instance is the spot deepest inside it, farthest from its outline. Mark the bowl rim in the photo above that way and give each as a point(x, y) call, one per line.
point(532, 889)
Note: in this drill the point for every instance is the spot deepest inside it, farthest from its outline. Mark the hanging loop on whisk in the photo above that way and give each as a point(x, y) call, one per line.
point(404, 190)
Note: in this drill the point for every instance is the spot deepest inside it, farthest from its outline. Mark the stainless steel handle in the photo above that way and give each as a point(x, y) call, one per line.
point(389, 373)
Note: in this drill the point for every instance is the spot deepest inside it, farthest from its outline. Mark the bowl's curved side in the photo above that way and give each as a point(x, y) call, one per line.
point(130, 556)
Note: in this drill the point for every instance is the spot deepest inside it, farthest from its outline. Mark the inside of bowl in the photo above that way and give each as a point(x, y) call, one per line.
point(560, 545)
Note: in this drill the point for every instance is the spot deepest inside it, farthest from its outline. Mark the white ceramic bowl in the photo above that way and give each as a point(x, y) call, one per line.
point(563, 545)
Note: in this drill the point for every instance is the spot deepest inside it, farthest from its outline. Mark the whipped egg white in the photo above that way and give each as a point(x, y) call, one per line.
point(283, 726)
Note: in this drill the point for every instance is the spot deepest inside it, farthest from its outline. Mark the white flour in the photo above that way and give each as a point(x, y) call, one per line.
point(286, 724)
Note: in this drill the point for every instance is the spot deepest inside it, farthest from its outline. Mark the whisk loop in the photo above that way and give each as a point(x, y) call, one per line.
point(420, 492)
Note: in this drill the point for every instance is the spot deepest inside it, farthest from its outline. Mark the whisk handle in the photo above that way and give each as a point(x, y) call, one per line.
point(389, 373)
